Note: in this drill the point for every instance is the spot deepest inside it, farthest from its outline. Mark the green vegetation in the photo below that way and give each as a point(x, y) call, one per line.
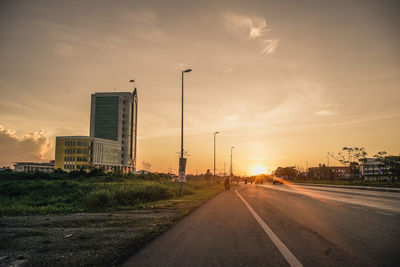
point(60, 192)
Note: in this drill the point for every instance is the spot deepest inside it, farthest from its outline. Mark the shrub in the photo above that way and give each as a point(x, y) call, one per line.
point(98, 199)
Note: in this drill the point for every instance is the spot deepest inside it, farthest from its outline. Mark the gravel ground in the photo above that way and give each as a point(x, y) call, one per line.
point(84, 239)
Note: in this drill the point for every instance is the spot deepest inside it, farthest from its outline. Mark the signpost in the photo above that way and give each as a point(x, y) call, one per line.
point(182, 170)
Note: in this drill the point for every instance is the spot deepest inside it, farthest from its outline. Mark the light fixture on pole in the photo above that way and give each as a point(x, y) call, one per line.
point(182, 160)
point(215, 133)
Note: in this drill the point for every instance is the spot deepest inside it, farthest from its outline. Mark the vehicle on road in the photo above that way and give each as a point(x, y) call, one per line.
point(277, 180)
point(259, 180)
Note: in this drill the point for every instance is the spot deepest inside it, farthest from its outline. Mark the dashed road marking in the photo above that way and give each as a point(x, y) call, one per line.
point(290, 258)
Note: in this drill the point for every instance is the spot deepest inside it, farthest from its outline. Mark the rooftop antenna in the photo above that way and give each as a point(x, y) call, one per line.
point(134, 85)
point(115, 88)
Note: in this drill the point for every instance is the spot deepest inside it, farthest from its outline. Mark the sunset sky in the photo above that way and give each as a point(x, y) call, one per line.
point(284, 82)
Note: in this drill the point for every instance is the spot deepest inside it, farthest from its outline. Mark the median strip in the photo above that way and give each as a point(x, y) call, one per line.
point(286, 253)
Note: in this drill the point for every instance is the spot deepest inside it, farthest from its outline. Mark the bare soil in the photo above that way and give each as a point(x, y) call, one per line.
point(85, 239)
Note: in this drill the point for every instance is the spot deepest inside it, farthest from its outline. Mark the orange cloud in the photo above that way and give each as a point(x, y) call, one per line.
point(32, 146)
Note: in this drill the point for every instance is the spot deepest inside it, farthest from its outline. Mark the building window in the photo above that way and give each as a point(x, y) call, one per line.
point(83, 143)
point(69, 143)
point(82, 151)
point(69, 151)
point(81, 159)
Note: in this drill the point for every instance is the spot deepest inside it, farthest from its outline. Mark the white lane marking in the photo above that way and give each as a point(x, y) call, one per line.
point(290, 258)
point(384, 213)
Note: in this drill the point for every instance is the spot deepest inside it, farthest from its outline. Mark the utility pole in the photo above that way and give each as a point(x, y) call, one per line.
point(215, 133)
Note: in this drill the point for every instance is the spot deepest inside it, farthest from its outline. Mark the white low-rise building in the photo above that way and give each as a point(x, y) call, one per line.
point(34, 166)
point(372, 169)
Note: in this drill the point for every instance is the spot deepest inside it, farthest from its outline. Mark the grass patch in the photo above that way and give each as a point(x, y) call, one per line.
point(38, 193)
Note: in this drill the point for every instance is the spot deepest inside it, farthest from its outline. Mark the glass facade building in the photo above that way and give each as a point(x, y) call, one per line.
point(113, 116)
point(106, 119)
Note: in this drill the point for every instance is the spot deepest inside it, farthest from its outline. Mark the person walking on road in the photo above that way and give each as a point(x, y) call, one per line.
point(227, 185)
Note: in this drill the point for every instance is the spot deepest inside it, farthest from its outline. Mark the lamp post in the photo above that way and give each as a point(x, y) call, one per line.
point(134, 111)
point(182, 160)
point(215, 133)
point(231, 164)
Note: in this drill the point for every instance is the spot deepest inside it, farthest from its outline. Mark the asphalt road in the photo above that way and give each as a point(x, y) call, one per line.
point(280, 225)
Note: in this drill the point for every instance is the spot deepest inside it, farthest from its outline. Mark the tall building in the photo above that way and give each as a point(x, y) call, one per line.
point(113, 134)
point(113, 116)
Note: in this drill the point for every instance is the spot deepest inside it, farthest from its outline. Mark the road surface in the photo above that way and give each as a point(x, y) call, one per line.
point(281, 225)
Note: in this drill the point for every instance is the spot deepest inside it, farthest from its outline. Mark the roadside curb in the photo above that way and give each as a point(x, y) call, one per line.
point(370, 188)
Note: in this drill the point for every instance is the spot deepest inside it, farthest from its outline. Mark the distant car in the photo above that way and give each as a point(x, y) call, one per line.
point(277, 181)
point(259, 180)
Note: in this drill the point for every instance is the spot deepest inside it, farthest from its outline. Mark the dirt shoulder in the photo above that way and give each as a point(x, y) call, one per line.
point(89, 239)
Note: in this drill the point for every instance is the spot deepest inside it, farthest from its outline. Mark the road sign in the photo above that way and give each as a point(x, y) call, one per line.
point(182, 169)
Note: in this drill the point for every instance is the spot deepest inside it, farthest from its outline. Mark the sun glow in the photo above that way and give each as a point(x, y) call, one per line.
point(258, 169)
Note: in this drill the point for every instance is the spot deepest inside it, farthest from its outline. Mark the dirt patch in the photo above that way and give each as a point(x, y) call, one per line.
point(85, 239)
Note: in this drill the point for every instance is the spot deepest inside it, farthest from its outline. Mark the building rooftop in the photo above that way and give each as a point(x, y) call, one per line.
point(34, 163)
point(86, 138)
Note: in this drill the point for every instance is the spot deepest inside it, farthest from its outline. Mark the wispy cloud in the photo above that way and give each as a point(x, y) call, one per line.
point(146, 25)
point(229, 70)
point(256, 28)
point(64, 49)
point(325, 113)
point(181, 65)
point(272, 44)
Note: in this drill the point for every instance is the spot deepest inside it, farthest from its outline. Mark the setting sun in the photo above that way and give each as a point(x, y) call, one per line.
point(258, 169)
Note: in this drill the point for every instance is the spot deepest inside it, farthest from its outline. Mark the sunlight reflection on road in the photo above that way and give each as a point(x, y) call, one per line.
point(388, 201)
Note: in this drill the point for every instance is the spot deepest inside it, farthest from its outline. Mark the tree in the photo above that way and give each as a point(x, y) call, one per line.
point(350, 156)
point(380, 155)
point(354, 154)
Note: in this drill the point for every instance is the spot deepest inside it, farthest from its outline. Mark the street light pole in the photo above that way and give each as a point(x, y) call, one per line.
point(182, 162)
point(231, 164)
point(215, 133)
